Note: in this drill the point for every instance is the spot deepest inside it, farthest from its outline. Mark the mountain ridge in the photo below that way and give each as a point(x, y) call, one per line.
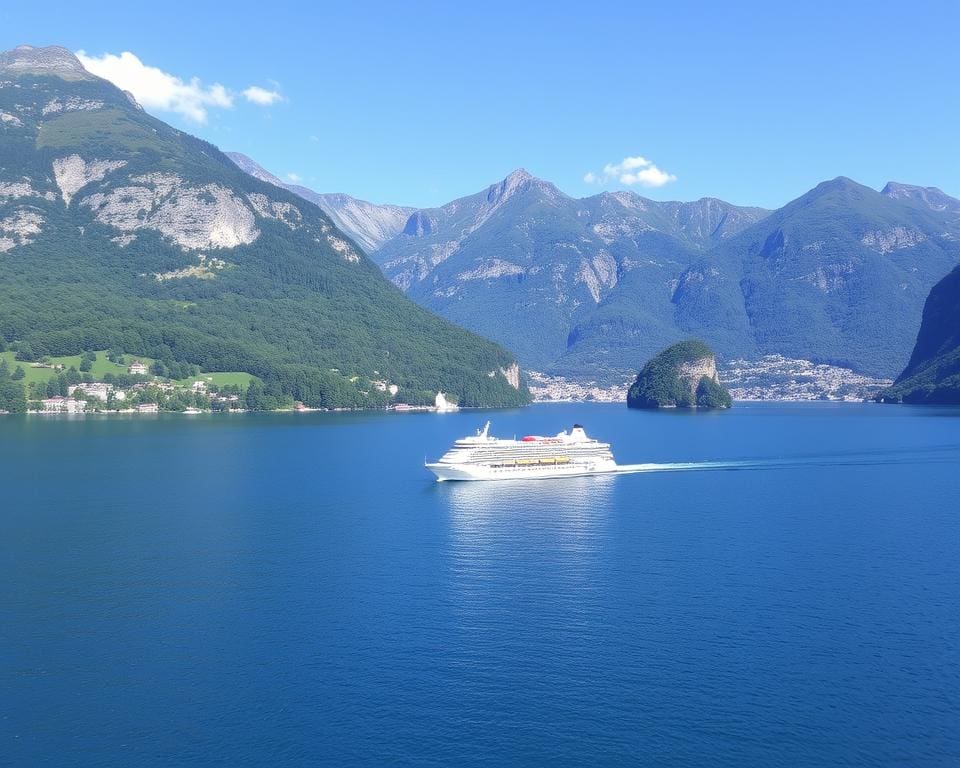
point(50, 60)
point(368, 224)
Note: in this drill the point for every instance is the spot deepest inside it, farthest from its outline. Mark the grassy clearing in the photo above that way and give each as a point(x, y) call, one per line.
point(223, 378)
point(102, 366)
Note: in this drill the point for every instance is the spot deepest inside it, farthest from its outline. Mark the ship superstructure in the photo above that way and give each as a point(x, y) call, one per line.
point(482, 457)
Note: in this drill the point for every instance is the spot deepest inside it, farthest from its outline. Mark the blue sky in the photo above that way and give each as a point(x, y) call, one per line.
point(421, 103)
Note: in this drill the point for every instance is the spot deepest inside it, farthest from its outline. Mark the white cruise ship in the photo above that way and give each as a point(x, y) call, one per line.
point(482, 457)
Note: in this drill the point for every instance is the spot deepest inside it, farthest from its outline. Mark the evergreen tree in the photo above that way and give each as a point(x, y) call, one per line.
point(12, 396)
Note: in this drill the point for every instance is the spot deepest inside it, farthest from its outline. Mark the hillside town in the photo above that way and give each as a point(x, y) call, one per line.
point(775, 377)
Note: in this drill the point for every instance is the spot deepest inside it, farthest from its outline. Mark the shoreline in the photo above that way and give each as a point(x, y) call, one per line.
point(294, 411)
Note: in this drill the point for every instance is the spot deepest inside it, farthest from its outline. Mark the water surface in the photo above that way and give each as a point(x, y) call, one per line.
point(295, 590)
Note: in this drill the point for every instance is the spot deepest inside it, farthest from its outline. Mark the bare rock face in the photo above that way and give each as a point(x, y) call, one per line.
point(341, 246)
point(512, 375)
point(599, 274)
point(208, 216)
point(489, 270)
point(19, 227)
point(287, 213)
point(369, 224)
point(6, 118)
point(52, 60)
point(892, 239)
point(690, 373)
point(193, 217)
point(205, 269)
point(22, 188)
point(73, 173)
point(70, 104)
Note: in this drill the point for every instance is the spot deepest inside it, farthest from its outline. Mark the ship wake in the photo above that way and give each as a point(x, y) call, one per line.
point(924, 455)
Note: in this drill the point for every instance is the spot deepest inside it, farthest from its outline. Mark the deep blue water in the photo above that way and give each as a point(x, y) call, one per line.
point(295, 590)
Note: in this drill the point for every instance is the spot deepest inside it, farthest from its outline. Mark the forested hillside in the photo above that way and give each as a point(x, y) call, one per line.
point(120, 232)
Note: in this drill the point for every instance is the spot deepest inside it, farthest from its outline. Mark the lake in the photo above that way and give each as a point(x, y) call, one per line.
point(294, 589)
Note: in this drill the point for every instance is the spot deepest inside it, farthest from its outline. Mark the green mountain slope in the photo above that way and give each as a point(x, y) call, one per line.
point(118, 231)
point(933, 373)
point(840, 274)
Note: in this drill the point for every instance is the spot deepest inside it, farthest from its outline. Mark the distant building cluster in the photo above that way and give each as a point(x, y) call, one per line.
point(97, 389)
point(558, 389)
point(63, 405)
point(149, 394)
point(775, 377)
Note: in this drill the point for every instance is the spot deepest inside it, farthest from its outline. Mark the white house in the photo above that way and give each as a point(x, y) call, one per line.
point(137, 369)
point(97, 389)
point(148, 408)
point(64, 405)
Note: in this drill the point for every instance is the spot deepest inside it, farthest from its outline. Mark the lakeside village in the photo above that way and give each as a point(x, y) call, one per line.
point(138, 387)
point(142, 389)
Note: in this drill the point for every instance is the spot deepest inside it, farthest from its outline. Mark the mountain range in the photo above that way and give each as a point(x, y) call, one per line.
point(593, 287)
point(119, 231)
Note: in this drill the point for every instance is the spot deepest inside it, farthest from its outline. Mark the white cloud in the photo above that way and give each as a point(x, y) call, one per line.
point(294, 177)
point(156, 89)
point(631, 171)
point(257, 95)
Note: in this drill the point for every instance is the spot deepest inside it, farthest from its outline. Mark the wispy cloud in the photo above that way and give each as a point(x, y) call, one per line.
point(631, 171)
point(156, 89)
point(294, 177)
point(257, 95)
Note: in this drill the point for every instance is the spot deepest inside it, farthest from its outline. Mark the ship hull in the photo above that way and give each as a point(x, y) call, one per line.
point(445, 472)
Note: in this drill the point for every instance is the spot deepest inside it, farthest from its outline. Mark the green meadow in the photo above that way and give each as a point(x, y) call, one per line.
point(101, 366)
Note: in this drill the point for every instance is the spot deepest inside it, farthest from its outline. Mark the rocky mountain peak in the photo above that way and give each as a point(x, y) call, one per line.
point(933, 197)
point(840, 183)
point(515, 181)
point(51, 60)
point(519, 175)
